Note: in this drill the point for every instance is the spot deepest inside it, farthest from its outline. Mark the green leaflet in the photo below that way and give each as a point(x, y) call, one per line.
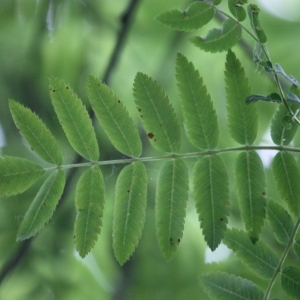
point(297, 247)
point(114, 118)
point(216, 2)
point(199, 115)
point(74, 119)
point(282, 134)
point(290, 281)
point(253, 12)
point(211, 198)
point(43, 205)
point(89, 200)
point(242, 118)
point(280, 222)
point(218, 40)
point(130, 210)
point(286, 174)
point(223, 286)
point(17, 175)
point(36, 133)
point(157, 114)
point(235, 7)
point(250, 185)
point(195, 16)
point(258, 257)
point(171, 202)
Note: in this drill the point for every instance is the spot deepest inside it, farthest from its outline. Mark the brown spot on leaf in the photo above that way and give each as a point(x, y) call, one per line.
point(128, 191)
point(178, 240)
point(221, 219)
point(150, 135)
point(67, 87)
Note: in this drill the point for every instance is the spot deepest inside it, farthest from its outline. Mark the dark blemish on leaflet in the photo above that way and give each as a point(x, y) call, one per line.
point(67, 87)
point(178, 240)
point(150, 135)
point(128, 191)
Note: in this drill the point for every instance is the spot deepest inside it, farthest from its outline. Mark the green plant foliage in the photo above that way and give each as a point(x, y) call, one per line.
point(297, 247)
point(258, 257)
point(280, 221)
point(223, 286)
point(235, 7)
point(195, 16)
point(114, 118)
point(130, 210)
point(286, 174)
point(216, 2)
point(253, 12)
point(157, 114)
point(218, 40)
point(74, 119)
point(251, 186)
point(242, 118)
point(36, 133)
point(170, 207)
point(17, 175)
point(43, 205)
point(290, 78)
point(199, 115)
point(211, 198)
point(89, 200)
point(290, 281)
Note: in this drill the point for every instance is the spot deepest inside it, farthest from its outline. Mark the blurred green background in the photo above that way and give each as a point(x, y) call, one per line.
point(72, 39)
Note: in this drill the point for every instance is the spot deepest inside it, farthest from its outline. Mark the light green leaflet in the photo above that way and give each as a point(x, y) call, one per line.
point(242, 118)
point(251, 185)
point(89, 200)
point(43, 205)
point(36, 133)
point(170, 207)
point(157, 114)
point(290, 281)
point(258, 257)
point(74, 119)
point(280, 222)
point(286, 174)
point(282, 134)
point(130, 210)
point(17, 175)
point(199, 115)
point(211, 198)
point(223, 286)
point(237, 10)
point(218, 40)
point(195, 16)
point(114, 118)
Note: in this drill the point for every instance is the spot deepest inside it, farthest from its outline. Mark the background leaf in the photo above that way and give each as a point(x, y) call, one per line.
point(114, 118)
point(286, 174)
point(43, 205)
point(290, 281)
point(17, 175)
point(223, 286)
point(36, 133)
point(211, 198)
point(218, 40)
point(199, 115)
point(170, 207)
point(297, 247)
point(90, 198)
point(195, 16)
point(74, 119)
point(242, 118)
point(130, 210)
point(258, 257)
point(157, 114)
point(251, 186)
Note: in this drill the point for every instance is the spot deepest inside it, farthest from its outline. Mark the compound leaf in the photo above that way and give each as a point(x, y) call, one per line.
point(17, 175)
point(286, 174)
point(211, 198)
point(36, 133)
point(89, 201)
point(218, 40)
point(195, 16)
point(43, 205)
point(242, 118)
point(74, 119)
point(171, 202)
point(199, 115)
point(157, 114)
point(280, 221)
point(258, 257)
point(224, 286)
point(114, 118)
point(290, 281)
point(250, 185)
point(130, 206)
